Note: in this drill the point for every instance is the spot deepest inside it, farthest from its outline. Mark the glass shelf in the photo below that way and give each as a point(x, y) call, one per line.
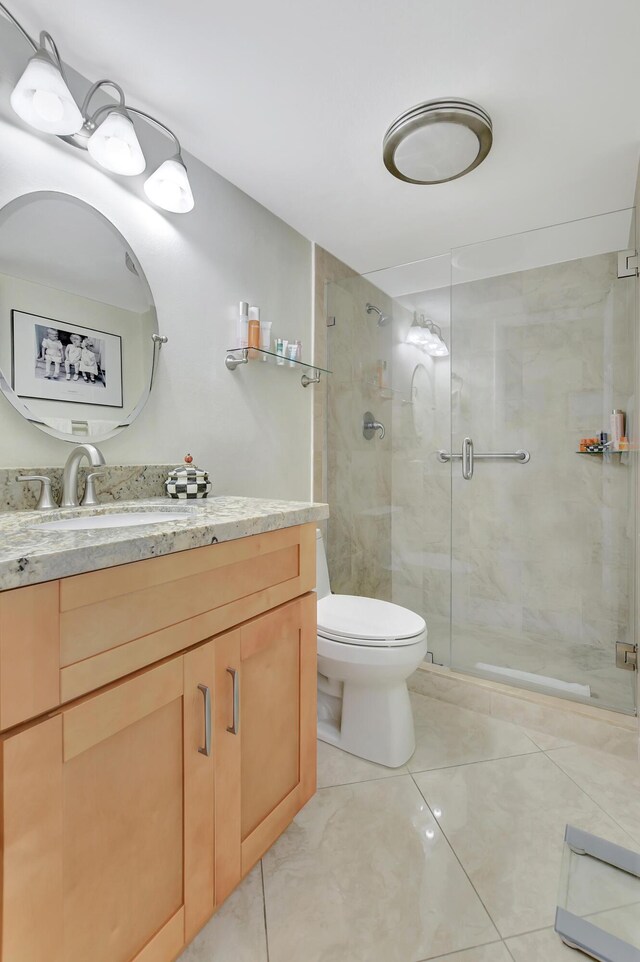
point(599, 454)
point(243, 355)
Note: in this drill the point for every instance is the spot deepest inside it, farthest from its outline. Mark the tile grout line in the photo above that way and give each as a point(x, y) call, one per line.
point(423, 771)
point(264, 910)
point(448, 955)
point(478, 761)
point(455, 855)
point(589, 796)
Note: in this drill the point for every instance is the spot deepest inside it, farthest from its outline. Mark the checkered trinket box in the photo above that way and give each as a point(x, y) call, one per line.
point(188, 481)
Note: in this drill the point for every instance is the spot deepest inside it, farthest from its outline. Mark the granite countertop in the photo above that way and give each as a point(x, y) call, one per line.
point(29, 556)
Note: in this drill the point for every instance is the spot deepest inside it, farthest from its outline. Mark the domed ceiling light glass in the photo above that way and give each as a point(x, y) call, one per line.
point(42, 99)
point(437, 141)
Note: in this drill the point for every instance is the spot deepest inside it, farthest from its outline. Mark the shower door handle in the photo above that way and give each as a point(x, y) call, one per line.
point(467, 459)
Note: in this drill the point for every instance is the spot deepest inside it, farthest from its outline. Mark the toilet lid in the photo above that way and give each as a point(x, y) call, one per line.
point(367, 621)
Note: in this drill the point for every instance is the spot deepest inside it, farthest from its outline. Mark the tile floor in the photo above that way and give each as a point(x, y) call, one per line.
point(454, 857)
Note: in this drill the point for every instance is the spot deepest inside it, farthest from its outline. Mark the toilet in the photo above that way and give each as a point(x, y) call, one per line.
point(366, 651)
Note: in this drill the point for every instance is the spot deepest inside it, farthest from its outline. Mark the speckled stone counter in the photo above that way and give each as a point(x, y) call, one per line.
point(29, 556)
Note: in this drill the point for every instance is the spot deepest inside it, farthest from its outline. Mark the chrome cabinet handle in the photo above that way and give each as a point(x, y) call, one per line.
point(235, 725)
point(207, 720)
point(467, 459)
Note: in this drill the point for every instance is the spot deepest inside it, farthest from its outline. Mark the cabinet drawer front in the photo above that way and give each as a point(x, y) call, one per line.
point(105, 610)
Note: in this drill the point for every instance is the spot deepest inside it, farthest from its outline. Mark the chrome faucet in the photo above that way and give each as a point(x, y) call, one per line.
point(70, 474)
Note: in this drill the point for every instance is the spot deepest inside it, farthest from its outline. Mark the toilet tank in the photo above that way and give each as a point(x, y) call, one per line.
point(323, 586)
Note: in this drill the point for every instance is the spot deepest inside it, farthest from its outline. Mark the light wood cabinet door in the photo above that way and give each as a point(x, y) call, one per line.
point(104, 808)
point(265, 736)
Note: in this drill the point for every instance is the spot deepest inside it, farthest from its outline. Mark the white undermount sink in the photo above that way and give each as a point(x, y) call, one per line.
point(127, 519)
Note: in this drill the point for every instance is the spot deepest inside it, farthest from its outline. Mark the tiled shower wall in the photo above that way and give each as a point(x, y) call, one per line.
point(355, 475)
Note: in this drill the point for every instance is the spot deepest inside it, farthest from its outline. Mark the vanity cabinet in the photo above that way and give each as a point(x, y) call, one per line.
point(131, 812)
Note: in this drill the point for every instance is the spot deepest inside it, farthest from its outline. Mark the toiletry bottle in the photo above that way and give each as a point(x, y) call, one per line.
point(617, 428)
point(281, 349)
point(254, 327)
point(242, 325)
point(291, 353)
point(265, 338)
point(298, 350)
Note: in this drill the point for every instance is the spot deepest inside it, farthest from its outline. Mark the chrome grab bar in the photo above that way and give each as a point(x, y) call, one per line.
point(467, 459)
point(468, 456)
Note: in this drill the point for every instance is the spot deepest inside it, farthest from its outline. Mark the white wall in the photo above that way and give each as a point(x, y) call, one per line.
point(252, 428)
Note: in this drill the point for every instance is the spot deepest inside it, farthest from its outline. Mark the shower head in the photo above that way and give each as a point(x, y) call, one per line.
point(382, 318)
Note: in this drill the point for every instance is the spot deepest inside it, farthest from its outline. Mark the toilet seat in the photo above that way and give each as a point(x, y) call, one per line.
point(354, 620)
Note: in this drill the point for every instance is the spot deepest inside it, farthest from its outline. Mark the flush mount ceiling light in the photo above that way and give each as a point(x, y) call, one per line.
point(42, 99)
point(437, 141)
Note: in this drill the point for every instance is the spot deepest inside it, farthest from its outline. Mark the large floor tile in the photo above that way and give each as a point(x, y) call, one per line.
point(505, 820)
point(614, 783)
point(336, 767)
point(236, 933)
point(544, 946)
point(449, 735)
point(365, 875)
point(484, 953)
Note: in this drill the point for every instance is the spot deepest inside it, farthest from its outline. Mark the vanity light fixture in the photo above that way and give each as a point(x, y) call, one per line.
point(437, 141)
point(426, 335)
point(42, 99)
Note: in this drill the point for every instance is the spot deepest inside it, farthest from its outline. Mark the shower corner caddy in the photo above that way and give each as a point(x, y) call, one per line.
point(311, 373)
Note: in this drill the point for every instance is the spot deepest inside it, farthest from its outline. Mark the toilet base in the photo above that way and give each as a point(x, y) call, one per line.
point(376, 723)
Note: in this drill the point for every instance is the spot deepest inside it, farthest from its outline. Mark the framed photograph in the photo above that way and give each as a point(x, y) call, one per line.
point(59, 361)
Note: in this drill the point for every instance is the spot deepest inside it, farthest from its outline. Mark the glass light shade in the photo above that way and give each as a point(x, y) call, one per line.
point(437, 152)
point(115, 146)
point(43, 100)
point(439, 349)
point(427, 340)
point(169, 187)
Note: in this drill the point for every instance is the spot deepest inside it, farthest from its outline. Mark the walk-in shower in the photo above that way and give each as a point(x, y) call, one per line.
point(500, 505)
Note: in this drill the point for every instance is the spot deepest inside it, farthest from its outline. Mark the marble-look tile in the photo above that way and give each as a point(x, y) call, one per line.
point(448, 735)
point(496, 952)
point(236, 933)
point(543, 945)
point(336, 767)
point(455, 689)
point(505, 820)
point(614, 783)
point(365, 875)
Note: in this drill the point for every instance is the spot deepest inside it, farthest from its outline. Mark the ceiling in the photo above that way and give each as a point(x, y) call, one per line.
point(290, 99)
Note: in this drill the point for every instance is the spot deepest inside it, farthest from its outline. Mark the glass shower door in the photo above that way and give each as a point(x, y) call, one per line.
point(542, 534)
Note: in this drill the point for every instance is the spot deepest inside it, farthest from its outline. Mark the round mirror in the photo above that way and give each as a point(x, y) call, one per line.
point(77, 318)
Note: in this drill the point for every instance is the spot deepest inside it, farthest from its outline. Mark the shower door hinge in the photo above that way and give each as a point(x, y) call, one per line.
point(628, 263)
point(331, 321)
point(626, 656)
